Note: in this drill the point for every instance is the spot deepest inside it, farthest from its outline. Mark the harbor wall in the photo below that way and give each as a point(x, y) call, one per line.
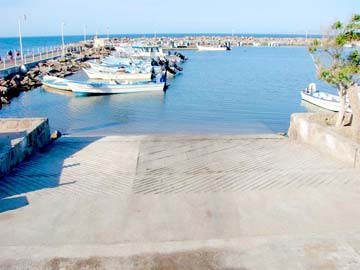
point(312, 129)
point(21, 138)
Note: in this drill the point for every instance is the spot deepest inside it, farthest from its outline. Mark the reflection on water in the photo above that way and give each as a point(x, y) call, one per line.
point(245, 90)
point(56, 91)
point(313, 108)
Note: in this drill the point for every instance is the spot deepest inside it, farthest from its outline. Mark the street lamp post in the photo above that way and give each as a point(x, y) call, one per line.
point(62, 39)
point(85, 33)
point(20, 39)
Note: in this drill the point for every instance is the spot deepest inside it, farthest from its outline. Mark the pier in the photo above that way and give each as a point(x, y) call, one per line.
point(8, 67)
point(180, 202)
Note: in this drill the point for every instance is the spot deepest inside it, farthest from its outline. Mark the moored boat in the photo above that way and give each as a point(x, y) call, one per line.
point(83, 88)
point(212, 48)
point(321, 99)
point(55, 82)
point(126, 76)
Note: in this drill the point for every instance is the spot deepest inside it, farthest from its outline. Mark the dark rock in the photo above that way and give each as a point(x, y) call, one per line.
point(3, 90)
point(55, 135)
point(15, 81)
point(4, 100)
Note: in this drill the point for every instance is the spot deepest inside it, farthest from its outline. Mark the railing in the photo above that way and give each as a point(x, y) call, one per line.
point(33, 56)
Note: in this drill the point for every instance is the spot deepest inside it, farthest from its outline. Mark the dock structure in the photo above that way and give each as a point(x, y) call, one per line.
point(180, 202)
point(8, 67)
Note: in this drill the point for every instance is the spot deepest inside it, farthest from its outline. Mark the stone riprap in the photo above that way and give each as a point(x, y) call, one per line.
point(180, 202)
point(20, 138)
point(14, 83)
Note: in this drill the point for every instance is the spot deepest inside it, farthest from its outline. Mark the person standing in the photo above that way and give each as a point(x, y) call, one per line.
point(10, 55)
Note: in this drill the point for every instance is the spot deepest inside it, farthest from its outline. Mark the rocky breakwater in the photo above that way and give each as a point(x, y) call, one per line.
point(25, 80)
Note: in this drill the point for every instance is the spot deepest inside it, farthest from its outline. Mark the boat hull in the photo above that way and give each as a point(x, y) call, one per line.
point(208, 48)
point(56, 83)
point(323, 100)
point(101, 89)
point(97, 74)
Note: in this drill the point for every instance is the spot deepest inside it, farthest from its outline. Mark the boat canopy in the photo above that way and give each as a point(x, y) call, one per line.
point(147, 48)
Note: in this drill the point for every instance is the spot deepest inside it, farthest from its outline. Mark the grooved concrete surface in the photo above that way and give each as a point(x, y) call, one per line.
point(180, 202)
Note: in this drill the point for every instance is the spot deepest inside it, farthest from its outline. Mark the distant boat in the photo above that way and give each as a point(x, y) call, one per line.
point(125, 76)
point(321, 99)
point(212, 48)
point(83, 88)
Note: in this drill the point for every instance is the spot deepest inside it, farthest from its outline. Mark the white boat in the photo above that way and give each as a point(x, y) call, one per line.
point(125, 76)
point(83, 88)
point(143, 68)
point(321, 99)
point(211, 48)
point(55, 82)
point(147, 51)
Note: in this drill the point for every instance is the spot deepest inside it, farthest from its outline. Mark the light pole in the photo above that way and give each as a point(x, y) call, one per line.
point(62, 39)
point(20, 39)
point(85, 33)
point(107, 31)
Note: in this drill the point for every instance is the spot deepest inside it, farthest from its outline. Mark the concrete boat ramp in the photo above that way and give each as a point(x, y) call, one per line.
point(180, 202)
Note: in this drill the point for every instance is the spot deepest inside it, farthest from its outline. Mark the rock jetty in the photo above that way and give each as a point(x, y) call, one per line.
point(11, 86)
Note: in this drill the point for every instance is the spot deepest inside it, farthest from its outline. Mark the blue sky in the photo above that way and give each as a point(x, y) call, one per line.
point(44, 17)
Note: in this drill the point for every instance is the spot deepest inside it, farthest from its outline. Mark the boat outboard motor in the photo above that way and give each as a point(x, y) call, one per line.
point(312, 88)
point(170, 70)
point(177, 67)
point(153, 74)
point(154, 63)
point(163, 61)
point(165, 66)
point(181, 56)
point(161, 78)
point(227, 45)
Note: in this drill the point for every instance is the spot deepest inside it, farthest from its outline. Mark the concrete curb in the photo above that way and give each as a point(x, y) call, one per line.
point(305, 128)
point(21, 138)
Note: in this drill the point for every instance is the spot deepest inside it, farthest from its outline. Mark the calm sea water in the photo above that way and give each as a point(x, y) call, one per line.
point(246, 90)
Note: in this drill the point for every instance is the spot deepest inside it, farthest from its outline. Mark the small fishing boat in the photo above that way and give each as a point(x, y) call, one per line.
point(119, 75)
point(147, 51)
point(55, 82)
point(211, 48)
point(85, 88)
point(143, 68)
point(321, 99)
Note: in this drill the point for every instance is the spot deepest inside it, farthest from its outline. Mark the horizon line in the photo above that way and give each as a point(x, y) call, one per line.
point(174, 33)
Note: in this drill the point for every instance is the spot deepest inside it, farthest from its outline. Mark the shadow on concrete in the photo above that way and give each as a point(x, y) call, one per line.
point(13, 203)
point(7, 137)
point(41, 171)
